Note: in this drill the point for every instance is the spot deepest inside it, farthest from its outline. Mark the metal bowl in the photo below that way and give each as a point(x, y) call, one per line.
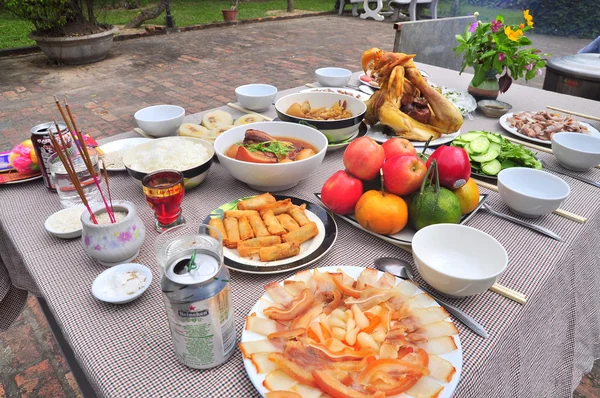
point(493, 108)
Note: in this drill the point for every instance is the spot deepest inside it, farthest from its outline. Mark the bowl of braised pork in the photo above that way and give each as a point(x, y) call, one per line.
point(271, 156)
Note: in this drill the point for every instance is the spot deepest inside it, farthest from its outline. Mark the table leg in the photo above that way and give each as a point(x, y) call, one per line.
point(369, 13)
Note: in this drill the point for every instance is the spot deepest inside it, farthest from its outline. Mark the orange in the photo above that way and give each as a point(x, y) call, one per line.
point(384, 214)
point(468, 196)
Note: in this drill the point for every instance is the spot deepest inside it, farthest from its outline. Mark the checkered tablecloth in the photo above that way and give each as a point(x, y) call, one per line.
point(540, 349)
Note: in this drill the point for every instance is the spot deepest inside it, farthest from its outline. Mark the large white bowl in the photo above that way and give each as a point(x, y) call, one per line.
point(334, 130)
point(271, 177)
point(457, 260)
point(256, 97)
point(576, 151)
point(160, 120)
point(530, 192)
point(333, 77)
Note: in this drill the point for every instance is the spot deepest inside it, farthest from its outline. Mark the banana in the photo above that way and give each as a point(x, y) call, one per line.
point(193, 130)
point(249, 118)
point(217, 118)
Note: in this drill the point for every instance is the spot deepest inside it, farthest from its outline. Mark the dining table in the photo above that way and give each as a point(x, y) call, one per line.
point(537, 349)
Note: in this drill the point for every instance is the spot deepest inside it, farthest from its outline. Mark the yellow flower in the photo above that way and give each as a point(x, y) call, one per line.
point(528, 18)
point(513, 34)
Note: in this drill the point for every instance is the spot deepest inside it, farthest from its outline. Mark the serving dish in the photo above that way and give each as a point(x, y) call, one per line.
point(454, 357)
point(111, 285)
point(310, 251)
point(19, 179)
point(362, 130)
point(65, 217)
point(376, 132)
point(461, 99)
point(493, 108)
point(404, 237)
point(364, 79)
point(340, 90)
point(120, 146)
point(160, 120)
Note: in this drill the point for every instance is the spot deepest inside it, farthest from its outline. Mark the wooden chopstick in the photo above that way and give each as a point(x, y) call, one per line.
point(559, 212)
point(311, 85)
point(574, 113)
point(242, 109)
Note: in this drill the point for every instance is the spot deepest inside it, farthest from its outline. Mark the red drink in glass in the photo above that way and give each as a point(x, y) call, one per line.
point(164, 191)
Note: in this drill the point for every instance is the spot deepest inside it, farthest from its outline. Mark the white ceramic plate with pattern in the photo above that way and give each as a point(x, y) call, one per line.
point(340, 90)
point(376, 132)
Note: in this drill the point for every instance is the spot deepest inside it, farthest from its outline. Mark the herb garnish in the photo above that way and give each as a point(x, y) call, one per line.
point(278, 148)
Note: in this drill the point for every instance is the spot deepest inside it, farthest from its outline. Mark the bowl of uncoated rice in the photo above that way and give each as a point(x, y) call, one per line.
point(65, 224)
point(191, 156)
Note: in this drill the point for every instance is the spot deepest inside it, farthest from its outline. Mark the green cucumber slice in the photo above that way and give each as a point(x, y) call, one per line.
point(480, 145)
point(496, 147)
point(486, 157)
point(495, 138)
point(467, 148)
point(491, 168)
point(471, 135)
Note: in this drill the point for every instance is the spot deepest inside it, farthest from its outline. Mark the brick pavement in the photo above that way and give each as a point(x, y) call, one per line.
point(197, 70)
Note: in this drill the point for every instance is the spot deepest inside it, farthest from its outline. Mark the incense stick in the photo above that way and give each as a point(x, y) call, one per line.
point(62, 113)
point(108, 187)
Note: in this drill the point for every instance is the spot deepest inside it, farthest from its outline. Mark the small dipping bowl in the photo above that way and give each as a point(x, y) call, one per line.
point(457, 260)
point(576, 151)
point(493, 108)
point(333, 77)
point(256, 97)
point(112, 286)
point(530, 192)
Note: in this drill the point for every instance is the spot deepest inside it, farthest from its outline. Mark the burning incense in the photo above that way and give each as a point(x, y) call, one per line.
point(107, 186)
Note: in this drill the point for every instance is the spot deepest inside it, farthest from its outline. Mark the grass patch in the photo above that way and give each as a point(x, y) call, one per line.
point(14, 31)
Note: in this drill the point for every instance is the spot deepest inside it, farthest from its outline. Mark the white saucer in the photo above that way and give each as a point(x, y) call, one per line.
point(105, 288)
point(74, 212)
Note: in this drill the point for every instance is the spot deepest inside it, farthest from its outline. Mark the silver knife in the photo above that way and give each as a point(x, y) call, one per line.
point(572, 175)
point(537, 228)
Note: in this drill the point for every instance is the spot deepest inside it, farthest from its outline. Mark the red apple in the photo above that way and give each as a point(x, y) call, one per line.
point(397, 147)
point(341, 192)
point(363, 158)
point(454, 167)
point(403, 175)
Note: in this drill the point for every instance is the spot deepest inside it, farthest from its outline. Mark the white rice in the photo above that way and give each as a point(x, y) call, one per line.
point(103, 218)
point(67, 221)
point(170, 154)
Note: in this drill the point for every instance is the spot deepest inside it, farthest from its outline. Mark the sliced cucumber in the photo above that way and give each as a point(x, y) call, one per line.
point(491, 168)
point(467, 148)
point(494, 138)
point(496, 147)
point(486, 157)
point(507, 164)
point(479, 145)
point(470, 136)
point(459, 143)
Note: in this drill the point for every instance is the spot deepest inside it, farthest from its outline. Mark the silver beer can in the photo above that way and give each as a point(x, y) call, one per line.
point(40, 138)
point(199, 308)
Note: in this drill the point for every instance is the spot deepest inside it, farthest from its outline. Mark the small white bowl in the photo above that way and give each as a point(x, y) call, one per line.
point(106, 285)
point(160, 120)
point(333, 77)
point(457, 260)
point(530, 192)
point(256, 97)
point(276, 176)
point(57, 224)
point(576, 151)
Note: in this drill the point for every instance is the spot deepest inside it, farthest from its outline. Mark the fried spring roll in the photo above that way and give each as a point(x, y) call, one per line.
point(288, 222)
point(272, 224)
point(233, 232)
point(252, 246)
point(217, 223)
point(245, 229)
point(258, 226)
point(303, 234)
point(279, 252)
point(256, 202)
point(239, 213)
point(279, 207)
point(297, 212)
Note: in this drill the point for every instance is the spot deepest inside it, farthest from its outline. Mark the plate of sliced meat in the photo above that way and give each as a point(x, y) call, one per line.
point(539, 126)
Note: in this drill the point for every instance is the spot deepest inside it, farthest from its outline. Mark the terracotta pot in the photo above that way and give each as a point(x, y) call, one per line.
point(488, 89)
point(230, 15)
point(76, 50)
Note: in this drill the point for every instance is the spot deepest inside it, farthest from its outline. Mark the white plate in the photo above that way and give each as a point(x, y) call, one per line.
point(454, 357)
point(371, 84)
point(21, 181)
point(341, 90)
point(461, 99)
point(123, 146)
point(75, 233)
point(376, 132)
point(102, 283)
point(504, 123)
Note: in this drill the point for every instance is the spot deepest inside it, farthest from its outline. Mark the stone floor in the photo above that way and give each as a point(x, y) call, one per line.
point(197, 70)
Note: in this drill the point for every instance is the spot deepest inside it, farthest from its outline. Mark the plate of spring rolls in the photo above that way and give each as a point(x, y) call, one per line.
point(268, 234)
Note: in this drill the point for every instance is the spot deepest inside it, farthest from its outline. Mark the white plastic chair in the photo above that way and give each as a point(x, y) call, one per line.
point(355, 4)
point(412, 8)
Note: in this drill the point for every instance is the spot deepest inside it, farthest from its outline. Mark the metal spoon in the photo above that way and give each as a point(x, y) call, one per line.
point(401, 269)
point(362, 87)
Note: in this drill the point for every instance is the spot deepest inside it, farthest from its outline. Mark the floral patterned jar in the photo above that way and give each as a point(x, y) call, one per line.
point(112, 244)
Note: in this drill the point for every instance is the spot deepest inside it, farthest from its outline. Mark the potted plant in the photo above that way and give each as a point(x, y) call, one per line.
point(67, 31)
point(231, 13)
point(493, 49)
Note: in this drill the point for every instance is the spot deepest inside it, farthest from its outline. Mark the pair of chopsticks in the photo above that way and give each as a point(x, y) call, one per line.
point(596, 118)
point(559, 212)
point(496, 287)
point(244, 110)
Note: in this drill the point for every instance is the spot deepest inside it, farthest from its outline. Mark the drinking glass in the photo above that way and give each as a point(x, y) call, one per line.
point(164, 191)
point(67, 193)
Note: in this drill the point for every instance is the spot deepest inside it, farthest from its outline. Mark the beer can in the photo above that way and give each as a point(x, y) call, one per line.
point(199, 308)
point(40, 138)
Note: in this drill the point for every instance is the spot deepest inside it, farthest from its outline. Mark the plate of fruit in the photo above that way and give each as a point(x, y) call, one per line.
point(391, 192)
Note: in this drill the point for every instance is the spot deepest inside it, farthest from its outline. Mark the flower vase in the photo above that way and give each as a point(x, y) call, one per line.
point(488, 89)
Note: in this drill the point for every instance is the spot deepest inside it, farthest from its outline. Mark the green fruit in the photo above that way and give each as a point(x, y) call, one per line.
point(430, 207)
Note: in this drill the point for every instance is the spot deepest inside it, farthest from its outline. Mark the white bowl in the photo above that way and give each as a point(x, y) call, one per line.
point(277, 176)
point(530, 192)
point(457, 260)
point(160, 120)
point(256, 97)
point(576, 151)
point(333, 77)
point(59, 223)
point(335, 130)
point(105, 286)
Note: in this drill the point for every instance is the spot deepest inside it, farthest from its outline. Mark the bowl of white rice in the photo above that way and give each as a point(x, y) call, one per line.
point(191, 156)
point(65, 224)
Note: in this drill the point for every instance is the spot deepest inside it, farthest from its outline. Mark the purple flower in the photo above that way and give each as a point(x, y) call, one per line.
point(538, 72)
point(124, 236)
point(496, 26)
point(87, 240)
point(97, 247)
point(501, 57)
point(473, 26)
point(529, 66)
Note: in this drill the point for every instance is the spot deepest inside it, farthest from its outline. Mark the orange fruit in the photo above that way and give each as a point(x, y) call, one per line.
point(383, 214)
point(468, 196)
